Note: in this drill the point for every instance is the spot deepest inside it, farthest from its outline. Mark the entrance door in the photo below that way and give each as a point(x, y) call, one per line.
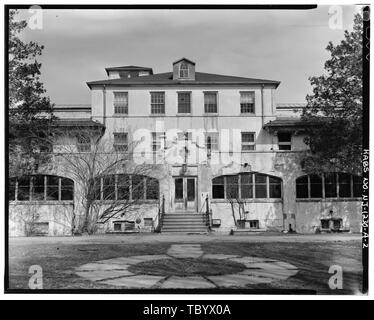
point(185, 193)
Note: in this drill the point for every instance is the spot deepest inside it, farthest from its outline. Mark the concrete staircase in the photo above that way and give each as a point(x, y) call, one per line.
point(185, 222)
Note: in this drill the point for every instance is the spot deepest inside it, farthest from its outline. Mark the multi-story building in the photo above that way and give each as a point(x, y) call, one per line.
point(219, 145)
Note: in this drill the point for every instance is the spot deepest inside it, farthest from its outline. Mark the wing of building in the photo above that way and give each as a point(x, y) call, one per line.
point(219, 146)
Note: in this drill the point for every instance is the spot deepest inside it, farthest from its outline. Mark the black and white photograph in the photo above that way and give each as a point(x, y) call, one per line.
point(190, 149)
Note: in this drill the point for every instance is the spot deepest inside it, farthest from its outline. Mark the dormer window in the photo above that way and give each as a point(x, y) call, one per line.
point(183, 70)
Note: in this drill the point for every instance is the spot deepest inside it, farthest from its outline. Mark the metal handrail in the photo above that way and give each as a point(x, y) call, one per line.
point(207, 214)
point(160, 214)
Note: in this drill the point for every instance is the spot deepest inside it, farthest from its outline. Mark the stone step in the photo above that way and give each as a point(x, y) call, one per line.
point(181, 226)
point(183, 220)
point(173, 223)
point(185, 231)
point(184, 215)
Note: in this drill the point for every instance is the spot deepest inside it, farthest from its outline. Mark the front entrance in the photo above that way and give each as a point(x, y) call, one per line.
point(185, 194)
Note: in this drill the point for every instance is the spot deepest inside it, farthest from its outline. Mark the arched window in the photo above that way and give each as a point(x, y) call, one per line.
point(183, 70)
point(41, 188)
point(328, 185)
point(247, 186)
point(125, 187)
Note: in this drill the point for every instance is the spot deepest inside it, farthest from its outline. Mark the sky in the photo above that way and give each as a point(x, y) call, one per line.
point(284, 45)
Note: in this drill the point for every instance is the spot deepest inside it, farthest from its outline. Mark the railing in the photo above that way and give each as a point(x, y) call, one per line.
point(207, 214)
point(160, 215)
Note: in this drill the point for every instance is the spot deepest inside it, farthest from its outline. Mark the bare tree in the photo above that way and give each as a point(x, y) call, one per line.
point(108, 182)
point(237, 204)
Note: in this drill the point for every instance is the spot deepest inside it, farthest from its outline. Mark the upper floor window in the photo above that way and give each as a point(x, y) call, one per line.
point(120, 141)
point(247, 102)
point(121, 103)
point(156, 140)
point(210, 102)
point(83, 143)
point(184, 102)
point(183, 70)
point(157, 102)
point(41, 188)
point(284, 141)
point(248, 141)
point(211, 141)
point(247, 186)
point(329, 185)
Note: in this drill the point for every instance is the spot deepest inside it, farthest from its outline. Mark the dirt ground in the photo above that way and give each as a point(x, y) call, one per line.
point(313, 255)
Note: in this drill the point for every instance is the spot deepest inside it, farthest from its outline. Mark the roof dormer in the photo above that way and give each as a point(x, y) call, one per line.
point(128, 72)
point(184, 69)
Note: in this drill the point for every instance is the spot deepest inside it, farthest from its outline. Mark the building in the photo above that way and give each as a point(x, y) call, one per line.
point(220, 145)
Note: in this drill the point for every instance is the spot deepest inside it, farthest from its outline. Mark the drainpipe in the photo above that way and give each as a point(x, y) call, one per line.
point(104, 105)
point(262, 104)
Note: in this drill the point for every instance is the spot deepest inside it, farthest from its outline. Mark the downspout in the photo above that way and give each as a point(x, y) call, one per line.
point(104, 105)
point(262, 105)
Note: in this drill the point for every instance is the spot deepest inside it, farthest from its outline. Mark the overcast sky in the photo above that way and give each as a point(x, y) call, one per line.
point(284, 45)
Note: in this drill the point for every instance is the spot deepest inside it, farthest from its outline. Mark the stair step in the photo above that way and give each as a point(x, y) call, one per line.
point(187, 231)
point(183, 222)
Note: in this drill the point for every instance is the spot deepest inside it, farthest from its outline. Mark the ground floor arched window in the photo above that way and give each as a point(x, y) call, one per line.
point(125, 187)
point(251, 185)
point(41, 188)
point(329, 185)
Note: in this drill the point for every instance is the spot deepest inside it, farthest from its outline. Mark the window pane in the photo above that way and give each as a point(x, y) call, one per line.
point(232, 191)
point(275, 187)
point(12, 189)
point(246, 186)
point(137, 187)
point(260, 178)
point(247, 191)
point(123, 187)
point(178, 188)
point(83, 143)
point(248, 137)
point(211, 141)
point(315, 186)
point(284, 137)
point(120, 141)
point(302, 187)
point(261, 186)
point(184, 102)
point(120, 102)
point(190, 189)
point(67, 189)
point(52, 187)
point(210, 102)
point(344, 185)
point(37, 188)
point(152, 188)
point(248, 141)
point(357, 186)
point(157, 102)
point(218, 188)
point(247, 102)
point(330, 185)
point(183, 71)
point(109, 188)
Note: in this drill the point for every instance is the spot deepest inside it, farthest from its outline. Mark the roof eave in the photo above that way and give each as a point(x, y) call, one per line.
point(177, 83)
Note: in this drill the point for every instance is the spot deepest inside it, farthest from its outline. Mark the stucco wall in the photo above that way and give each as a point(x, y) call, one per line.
point(310, 213)
point(59, 216)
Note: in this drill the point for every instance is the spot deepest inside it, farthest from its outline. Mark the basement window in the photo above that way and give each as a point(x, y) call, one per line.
point(117, 226)
point(148, 222)
point(253, 224)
